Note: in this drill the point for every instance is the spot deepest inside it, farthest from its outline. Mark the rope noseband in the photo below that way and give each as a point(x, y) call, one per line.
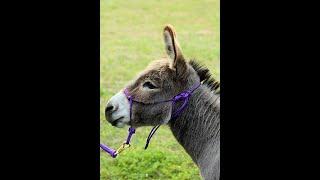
point(182, 96)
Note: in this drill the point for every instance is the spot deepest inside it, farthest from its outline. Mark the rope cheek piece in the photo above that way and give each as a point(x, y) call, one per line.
point(184, 95)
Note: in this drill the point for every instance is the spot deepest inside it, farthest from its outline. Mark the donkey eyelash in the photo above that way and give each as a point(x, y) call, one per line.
point(149, 85)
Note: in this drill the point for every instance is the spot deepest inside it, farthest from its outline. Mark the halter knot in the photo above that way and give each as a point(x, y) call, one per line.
point(182, 95)
point(132, 130)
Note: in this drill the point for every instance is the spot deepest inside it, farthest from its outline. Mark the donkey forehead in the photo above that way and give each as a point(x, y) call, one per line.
point(160, 64)
point(156, 69)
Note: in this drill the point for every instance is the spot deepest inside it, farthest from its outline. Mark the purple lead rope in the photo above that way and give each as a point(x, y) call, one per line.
point(113, 153)
point(185, 96)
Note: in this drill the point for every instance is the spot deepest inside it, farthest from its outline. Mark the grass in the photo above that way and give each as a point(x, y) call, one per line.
point(131, 37)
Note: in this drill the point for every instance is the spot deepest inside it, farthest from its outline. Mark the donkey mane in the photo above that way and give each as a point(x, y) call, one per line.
point(205, 76)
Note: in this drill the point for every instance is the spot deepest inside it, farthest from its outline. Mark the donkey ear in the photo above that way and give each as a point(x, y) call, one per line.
point(173, 48)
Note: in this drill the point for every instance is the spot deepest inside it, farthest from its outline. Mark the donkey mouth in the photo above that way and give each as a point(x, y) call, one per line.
point(117, 122)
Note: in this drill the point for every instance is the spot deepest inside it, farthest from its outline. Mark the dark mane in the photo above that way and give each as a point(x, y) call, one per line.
point(206, 76)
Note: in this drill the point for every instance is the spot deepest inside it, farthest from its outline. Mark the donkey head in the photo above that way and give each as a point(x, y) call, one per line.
point(160, 81)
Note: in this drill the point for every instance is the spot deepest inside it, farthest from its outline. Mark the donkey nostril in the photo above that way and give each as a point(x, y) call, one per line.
point(109, 108)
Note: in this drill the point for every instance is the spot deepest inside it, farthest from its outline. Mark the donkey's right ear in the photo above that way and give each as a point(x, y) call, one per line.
point(172, 47)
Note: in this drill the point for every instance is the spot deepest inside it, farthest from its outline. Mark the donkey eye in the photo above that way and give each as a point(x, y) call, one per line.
point(149, 85)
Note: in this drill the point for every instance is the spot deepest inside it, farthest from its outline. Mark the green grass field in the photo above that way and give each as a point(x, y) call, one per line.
point(131, 37)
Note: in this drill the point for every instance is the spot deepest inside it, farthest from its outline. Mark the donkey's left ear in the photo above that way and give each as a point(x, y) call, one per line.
point(173, 49)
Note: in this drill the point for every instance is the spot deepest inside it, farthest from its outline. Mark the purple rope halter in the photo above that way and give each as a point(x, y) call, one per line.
point(183, 96)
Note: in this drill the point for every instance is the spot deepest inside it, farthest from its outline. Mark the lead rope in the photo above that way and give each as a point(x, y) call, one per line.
point(153, 130)
point(113, 153)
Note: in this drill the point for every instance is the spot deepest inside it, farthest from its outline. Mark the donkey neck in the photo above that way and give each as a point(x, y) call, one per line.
point(199, 124)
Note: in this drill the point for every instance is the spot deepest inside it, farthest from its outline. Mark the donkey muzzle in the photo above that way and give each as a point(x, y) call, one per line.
point(117, 111)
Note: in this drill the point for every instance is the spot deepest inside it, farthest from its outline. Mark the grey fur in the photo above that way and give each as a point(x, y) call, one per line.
point(198, 131)
point(197, 128)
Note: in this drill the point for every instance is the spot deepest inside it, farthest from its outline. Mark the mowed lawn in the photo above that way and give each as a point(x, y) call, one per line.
point(131, 37)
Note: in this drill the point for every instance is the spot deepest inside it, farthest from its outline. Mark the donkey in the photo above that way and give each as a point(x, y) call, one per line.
point(197, 128)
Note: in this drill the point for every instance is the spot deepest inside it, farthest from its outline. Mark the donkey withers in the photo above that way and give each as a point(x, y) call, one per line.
point(197, 128)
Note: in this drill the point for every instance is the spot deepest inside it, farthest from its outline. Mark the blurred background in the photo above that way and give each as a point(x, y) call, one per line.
point(131, 37)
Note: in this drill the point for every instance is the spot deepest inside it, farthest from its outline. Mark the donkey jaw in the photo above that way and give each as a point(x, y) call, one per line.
point(119, 115)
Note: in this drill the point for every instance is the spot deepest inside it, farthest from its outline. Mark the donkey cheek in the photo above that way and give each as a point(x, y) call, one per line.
point(166, 115)
point(161, 115)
